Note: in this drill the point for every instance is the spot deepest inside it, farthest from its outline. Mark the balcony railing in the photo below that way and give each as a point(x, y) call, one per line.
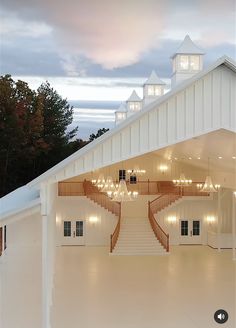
point(148, 187)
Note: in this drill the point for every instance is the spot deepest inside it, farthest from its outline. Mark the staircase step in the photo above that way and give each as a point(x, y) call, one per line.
point(137, 238)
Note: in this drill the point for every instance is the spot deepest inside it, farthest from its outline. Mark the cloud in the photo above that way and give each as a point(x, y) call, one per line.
point(13, 26)
point(109, 33)
point(108, 37)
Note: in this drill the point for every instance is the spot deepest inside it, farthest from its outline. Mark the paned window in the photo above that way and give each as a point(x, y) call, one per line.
point(196, 228)
point(67, 228)
point(79, 228)
point(184, 228)
point(122, 175)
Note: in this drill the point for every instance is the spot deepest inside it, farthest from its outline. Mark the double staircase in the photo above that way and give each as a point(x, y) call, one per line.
point(137, 238)
point(138, 235)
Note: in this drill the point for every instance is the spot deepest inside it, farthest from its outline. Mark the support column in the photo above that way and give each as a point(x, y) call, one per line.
point(234, 225)
point(219, 221)
point(44, 194)
point(45, 264)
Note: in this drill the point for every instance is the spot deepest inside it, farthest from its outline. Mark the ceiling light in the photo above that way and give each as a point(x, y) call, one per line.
point(220, 157)
point(233, 157)
point(190, 158)
point(199, 158)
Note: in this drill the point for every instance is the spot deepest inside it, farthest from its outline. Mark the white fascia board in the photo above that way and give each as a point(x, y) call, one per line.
point(230, 63)
point(22, 212)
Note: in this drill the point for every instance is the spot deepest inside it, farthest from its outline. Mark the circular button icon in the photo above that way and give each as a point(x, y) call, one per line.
point(221, 316)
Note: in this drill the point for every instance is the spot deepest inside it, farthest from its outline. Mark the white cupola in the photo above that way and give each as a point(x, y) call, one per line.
point(134, 104)
point(153, 88)
point(121, 114)
point(186, 61)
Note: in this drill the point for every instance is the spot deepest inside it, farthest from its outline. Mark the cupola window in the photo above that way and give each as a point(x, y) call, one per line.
point(135, 106)
point(189, 63)
point(154, 90)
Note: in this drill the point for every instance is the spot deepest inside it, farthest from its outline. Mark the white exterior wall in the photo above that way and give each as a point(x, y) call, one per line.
point(23, 260)
point(206, 105)
point(81, 208)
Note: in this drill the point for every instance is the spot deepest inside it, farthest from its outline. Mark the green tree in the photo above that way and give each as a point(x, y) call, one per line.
point(20, 130)
point(99, 133)
point(34, 132)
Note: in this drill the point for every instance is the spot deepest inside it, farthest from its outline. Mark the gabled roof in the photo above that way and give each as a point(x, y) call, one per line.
point(43, 178)
point(134, 97)
point(122, 108)
point(154, 79)
point(188, 47)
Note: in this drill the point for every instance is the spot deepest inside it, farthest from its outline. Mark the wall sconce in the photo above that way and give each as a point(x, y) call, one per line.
point(171, 219)
point(163, 168)
point(93, 219)
point(211, 219)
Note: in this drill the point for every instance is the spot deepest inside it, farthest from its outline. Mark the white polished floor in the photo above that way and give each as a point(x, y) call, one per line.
point(182, 290)
point(95, 290)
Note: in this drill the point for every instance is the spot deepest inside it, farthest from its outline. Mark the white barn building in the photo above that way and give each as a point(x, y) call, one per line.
point(164, 147)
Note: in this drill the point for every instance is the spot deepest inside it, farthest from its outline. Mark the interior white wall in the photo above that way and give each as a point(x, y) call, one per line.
point(194, 208)
point(96, 234)
point(188, 208)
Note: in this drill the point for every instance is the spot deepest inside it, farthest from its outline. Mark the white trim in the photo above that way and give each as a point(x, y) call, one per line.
point(20, 213)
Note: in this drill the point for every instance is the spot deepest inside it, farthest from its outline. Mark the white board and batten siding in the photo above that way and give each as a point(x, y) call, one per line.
point(207, 104)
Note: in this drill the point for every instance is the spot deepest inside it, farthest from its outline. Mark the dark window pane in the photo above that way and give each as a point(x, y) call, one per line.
point(196, 228)
point(184, 228)
point(79, 228)
point(67, 228)
point(122, 175)
point(133, 179)
point(5, 237)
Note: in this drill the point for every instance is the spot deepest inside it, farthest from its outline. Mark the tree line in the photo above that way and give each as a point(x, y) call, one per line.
point(34, 133)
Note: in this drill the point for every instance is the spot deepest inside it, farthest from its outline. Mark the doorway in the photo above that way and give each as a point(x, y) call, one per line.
point(190, 231)
point(73, 232)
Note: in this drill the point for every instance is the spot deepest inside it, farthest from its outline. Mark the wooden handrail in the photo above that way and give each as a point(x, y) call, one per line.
point(103, 200)
point(115, 235)
point(158, 231)
point(153, 207)
point(148, 187)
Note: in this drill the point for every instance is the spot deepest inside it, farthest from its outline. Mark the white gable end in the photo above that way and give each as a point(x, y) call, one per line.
point(203, 104)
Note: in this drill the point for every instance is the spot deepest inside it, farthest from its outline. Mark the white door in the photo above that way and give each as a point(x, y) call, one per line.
point(190, 232)
point(73, 232)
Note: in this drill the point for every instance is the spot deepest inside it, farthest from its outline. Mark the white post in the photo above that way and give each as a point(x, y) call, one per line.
point(219, 221)
point(234, 225)
point(45, 301)
point(45, 258)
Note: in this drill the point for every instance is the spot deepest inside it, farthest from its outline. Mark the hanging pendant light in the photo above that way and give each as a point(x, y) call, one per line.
point(109, 186)
point(122, 194)
point(100, 182)
point(137, 171)
point(208, 185)
point(182, 181)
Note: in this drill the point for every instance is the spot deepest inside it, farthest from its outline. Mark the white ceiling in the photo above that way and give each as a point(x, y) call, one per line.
point(221, 143)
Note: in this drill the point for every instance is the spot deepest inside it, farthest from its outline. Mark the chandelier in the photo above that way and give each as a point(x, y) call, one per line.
point(100, 182)
point(208, 185)
point(122, 194)
point(137, 171)
point(109, 186)
point(182, 181)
